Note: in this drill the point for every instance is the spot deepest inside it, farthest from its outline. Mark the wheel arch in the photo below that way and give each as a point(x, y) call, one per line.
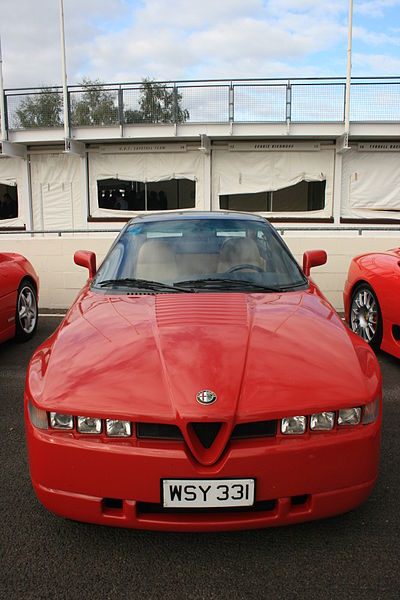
point(29, 279)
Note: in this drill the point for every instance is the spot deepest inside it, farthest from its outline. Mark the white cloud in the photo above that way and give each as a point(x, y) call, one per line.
point(166, 40)
point(375, 8)
point(376, 64)
point(125, 40)
point(30, 33)
point(375, 38)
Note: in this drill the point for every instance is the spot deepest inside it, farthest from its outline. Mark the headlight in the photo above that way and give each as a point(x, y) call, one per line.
point(60, 421)
point(293, 425)
point(349, 416)
point(37, 416)
point(115, 428)
point(323, 421)
point(89, 425)
point(371, 412)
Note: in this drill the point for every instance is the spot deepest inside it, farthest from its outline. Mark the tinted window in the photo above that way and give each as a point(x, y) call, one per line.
point(8, 201)
point(175, 251)
point(305, 196)
point(118, 194)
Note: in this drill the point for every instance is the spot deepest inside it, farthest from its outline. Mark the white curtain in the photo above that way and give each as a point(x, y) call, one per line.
point(253, 172)
point(371, 185)
point(57, 191)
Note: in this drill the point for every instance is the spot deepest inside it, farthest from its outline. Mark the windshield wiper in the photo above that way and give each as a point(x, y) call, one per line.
point(144, 284)
point(223, 283)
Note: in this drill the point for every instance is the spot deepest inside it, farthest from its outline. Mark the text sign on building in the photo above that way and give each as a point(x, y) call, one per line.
point(379, 147)
point(273, 147)
point(141, 148)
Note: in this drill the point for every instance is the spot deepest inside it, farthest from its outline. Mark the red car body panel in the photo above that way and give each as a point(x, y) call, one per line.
point(143, 358)
point(382, 272)
point(13, 269)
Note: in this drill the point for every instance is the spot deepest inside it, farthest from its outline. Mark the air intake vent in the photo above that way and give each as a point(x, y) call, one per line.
point(201, 309)
point(147, 508)
point(255, 430)
point(206, 432)
point(158, 431)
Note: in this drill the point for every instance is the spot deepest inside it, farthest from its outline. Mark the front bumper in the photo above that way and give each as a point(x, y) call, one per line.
point(92, 509)
point(116, 482)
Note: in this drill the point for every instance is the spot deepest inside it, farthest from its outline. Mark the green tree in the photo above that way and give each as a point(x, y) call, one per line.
point(96, 106)
point(157, 104)
point(43, 109)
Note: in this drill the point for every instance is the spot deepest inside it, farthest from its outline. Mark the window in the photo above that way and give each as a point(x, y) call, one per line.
point(8, 201)
point(207, 253)
point(118, 194)
point(303, 197)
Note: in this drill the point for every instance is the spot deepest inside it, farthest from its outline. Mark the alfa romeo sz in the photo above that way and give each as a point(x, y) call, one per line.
point(201, 381)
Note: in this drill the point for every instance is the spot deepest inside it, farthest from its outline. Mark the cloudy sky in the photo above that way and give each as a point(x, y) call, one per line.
point(126, 40)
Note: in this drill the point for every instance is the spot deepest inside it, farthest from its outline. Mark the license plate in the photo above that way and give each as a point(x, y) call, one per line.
point(207, 493)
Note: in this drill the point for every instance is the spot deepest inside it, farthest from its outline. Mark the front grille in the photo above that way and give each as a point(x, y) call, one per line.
point(157, 508)
point(158, 431)
point(206, 432)
point(255, 430)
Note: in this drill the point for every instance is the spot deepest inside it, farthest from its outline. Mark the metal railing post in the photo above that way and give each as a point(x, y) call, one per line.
point(6, 121)
point(68, 99)
point(175, 112)
point(231, 109)
point(288, 102)
point(120, 106)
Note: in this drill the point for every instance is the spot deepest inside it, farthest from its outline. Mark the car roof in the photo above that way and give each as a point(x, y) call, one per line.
point(198, 214)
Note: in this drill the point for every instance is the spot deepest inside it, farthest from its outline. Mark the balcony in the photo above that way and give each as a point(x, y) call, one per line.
point(223, 108)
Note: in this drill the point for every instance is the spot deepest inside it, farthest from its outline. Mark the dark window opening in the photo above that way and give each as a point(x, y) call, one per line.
point(8, 201)
point(305, 196)
point(118, 194)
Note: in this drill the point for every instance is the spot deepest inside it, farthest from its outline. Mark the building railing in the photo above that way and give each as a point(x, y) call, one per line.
point(360, 229)
point(223, 101)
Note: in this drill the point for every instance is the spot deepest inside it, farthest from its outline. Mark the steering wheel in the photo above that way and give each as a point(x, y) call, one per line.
point(245, 266)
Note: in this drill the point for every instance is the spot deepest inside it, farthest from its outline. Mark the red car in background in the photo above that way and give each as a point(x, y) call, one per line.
point(201, 381)
point(372, 299)
point(19, 285)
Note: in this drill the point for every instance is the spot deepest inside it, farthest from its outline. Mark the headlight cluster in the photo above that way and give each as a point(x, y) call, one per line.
point(114, 428)
point(90, 425)
point(325, 421)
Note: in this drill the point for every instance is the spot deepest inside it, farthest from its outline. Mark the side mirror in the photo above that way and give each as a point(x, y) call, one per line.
point(87, 259)
point(313, 258)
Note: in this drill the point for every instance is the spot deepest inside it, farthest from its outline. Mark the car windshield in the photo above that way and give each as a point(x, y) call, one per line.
point(194, 254)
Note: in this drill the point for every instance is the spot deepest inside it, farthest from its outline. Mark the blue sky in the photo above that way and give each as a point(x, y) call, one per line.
point(126, 40)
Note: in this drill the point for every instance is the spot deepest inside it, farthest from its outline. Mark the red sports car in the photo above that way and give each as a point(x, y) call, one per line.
point(201, 381)
point(372, 299)
point(19, 286)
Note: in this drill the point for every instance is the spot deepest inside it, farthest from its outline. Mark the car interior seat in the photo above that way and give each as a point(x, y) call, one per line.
point(239, 251)
point(156, 261)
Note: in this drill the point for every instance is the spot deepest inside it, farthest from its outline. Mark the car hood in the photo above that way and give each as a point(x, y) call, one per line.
point(146, 357)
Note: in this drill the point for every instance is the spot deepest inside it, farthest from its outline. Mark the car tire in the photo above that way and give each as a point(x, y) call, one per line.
point(26, 313)
point(365, 316)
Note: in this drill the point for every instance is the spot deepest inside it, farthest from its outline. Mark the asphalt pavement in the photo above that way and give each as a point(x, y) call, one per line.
point(356, 555)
